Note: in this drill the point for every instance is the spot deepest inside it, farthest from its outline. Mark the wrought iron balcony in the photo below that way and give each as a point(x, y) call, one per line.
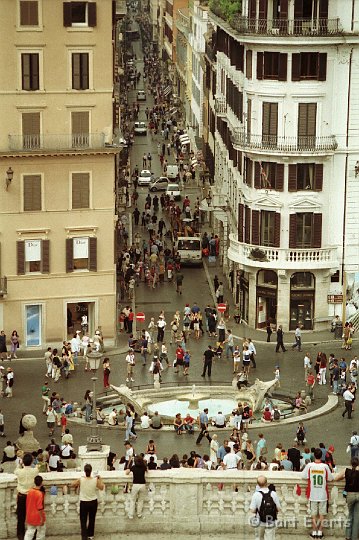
point(282, 258)
point(3, 286)
point(290, 145)
point(54, 142)
point(285, 27)
point(220, 105)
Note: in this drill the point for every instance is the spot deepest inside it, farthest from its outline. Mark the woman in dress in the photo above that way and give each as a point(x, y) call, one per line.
point(14, 343)
point(88, 405)
point(106, 372)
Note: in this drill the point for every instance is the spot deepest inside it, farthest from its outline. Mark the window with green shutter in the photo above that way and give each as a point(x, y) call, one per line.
point(80, 190)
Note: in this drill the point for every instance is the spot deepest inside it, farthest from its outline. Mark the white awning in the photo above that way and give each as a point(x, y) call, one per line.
point(167, 91)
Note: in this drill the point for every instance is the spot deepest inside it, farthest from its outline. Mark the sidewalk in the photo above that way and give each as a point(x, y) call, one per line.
point(243, 330)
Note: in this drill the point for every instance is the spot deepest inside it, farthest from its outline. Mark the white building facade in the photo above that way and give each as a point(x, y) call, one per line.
point(286, 146)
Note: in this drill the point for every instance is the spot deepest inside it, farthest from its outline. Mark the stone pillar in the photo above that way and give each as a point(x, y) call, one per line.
point(98, 460)
point(252, 300)
point(283, 301)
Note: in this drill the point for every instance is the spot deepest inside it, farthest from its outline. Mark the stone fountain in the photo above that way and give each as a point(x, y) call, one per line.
point(174, 399)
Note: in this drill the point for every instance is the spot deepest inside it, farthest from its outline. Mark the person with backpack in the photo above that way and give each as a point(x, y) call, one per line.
point(265, 505)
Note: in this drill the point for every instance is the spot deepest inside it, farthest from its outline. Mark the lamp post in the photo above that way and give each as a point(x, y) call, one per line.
point(94, 441)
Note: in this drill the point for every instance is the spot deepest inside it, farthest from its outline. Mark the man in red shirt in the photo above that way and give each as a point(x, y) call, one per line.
point(179, 358)
point(35, 513)
point(310, 384)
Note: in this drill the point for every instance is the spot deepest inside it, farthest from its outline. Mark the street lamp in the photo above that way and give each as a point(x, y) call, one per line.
point(94, 441)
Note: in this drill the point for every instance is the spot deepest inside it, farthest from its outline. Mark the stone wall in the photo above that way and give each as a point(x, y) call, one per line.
point(180, 501)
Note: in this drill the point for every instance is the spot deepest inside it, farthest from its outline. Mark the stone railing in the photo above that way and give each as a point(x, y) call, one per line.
point(272, 257)
point(179, 501)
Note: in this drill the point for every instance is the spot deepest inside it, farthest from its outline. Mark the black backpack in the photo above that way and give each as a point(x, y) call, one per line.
point(268, 509)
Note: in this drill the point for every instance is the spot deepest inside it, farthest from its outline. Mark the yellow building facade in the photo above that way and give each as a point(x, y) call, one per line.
point(57, 169)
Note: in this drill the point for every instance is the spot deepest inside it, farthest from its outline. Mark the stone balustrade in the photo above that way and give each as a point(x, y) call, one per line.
point(179, 501)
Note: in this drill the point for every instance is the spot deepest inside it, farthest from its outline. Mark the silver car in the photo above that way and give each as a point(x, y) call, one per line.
point(174, 191)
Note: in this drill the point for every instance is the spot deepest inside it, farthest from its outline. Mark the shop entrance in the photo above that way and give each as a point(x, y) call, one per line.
point(242, 294)
point(266, 293)
point(302, 296)
point(77, 313)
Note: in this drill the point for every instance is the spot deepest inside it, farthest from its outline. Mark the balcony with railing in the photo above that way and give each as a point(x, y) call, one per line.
point(220, 105)
point(282, 258)
point(278, 144)
point(3, 286)
point(182, 21)
point(285, 27)
point(57, 142)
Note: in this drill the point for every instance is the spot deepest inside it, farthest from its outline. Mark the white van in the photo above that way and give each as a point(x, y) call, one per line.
point(172, 172)
point(189, 249)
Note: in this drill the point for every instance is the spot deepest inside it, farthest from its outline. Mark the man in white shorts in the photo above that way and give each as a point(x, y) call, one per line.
point(317, 475)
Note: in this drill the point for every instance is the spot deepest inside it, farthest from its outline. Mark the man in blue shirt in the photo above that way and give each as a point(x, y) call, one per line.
point(203, 423)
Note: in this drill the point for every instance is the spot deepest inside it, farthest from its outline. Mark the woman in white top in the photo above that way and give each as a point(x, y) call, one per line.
point(89, 487)
point(213, 449)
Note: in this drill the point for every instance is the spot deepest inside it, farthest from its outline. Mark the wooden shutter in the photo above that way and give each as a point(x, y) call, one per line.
point(296, 67)
point(32, 193)
point(252, 9)
point(76, 71)
point(323, 9)
point(45, 256)
point(239, 161)
point(67, 14)
point(282, 67)
point(317, 231)
point(255, 227)
point(249, 171)
point(30, 123)
point(263, 8)
point(276, 229)
point(80, 122)
point(247, 225)
point(279, 176)
point(249, 64)
point(298, 9)
point(80, 190)
point(283, 9)
point(249, 116)
point(292, 230)
point(91, 15)
point(322, 68)
point(20, 257)
point(260, 61)
point(29, 13)
point(93, 254)
point(69, 255)
point(307, 119)
point(318, 177)
point(257, 175)
point(292, 177)
point(26, 71)
point(240, 222)
point(270, 122)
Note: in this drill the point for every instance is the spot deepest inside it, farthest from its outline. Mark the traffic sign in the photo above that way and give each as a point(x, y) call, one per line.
point(221, 308)
point(140, 317)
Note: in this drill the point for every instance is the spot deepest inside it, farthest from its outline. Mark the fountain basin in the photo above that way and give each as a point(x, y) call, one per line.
point(169, 408)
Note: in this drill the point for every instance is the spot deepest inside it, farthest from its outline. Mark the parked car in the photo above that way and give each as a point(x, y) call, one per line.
point(140, 128)
point(174, 191)
point(159, 184)
point(141, 95)
point(145, 178)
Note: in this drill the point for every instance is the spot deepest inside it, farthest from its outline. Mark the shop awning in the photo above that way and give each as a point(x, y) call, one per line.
point(184, 139)
point(167, 91)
